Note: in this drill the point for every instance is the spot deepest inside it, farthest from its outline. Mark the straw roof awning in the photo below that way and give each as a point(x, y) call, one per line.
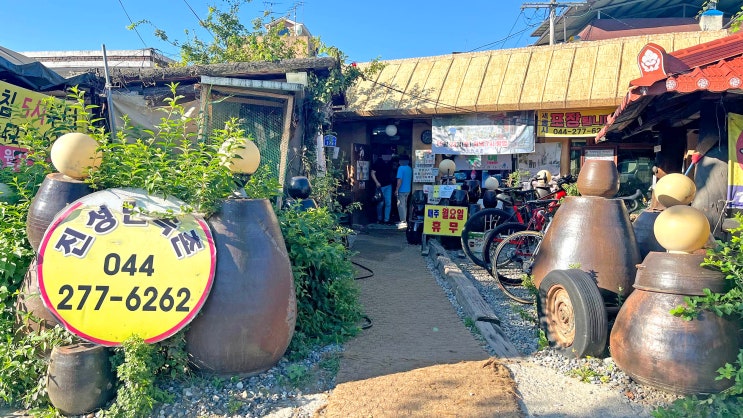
point(566, 76)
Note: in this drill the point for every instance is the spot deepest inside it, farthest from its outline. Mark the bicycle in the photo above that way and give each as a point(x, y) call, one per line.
point(540, 211)
point(513, 199)
point(527, 215)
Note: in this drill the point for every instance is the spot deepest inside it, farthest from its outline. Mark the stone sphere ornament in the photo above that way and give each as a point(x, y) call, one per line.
point(299, 187)
point(674, 189)
point(681, 229)
point(491, 183)
point(245, 155)
point(74, 153)
point(447, 167)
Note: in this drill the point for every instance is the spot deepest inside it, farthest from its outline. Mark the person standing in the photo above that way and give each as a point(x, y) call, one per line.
point(402, 190)
point(382, 177)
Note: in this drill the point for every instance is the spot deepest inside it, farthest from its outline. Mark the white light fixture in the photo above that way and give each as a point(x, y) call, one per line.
point(390, 130)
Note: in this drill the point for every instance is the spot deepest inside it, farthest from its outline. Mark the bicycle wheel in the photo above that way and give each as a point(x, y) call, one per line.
point(475, 229)
point(514, 257)
point(495, 237)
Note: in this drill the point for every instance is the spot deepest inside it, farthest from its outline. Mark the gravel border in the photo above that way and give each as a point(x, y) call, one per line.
point(519, 324)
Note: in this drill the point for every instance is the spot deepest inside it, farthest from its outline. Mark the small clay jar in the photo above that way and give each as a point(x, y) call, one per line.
point(598, 178)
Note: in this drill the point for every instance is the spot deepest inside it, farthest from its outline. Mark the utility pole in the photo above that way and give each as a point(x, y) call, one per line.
point(552, 5)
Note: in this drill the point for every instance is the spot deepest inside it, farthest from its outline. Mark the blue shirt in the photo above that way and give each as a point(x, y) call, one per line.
point(405, 173)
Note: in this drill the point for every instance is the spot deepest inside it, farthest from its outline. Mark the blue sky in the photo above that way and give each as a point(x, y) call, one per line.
point(363, 30)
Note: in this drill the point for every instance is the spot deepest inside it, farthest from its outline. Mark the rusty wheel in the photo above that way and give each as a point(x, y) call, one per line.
point(561, 316)
point(572, 313)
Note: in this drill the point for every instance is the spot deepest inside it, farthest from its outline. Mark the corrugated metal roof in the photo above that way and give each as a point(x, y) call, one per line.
point(571, 20)
point(565, 76)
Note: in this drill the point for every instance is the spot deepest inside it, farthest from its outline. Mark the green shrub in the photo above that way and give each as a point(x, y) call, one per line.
point(327, 295)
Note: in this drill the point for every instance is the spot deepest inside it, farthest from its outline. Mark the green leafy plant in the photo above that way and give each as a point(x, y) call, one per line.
point(327, 295)
point(23, 352)
point(171, 160)
point(297, 374)
point(542, 341)
point(136, 364)
point(515, 178)
point(584, 373)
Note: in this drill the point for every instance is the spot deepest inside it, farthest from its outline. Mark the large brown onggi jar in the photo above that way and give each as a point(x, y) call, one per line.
point(248, 319)
point(55, 192)
point(594, 234)
point(29, 302)
point(661, 350)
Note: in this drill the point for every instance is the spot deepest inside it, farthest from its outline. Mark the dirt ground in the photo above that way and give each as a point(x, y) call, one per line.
point(417, 359)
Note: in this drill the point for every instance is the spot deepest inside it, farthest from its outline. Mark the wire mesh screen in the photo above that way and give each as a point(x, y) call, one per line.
point(263, 118)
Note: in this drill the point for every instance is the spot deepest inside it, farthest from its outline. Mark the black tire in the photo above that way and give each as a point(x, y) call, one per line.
point(495, 237)
point(515, 256)
point(480, 223)
point(572, 313)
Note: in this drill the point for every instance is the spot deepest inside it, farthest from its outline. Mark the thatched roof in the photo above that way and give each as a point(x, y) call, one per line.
point(260, 70)
point(565, 76)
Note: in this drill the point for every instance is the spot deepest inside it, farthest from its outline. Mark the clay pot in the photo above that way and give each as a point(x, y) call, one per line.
point(248, 319)
point(643, 227)
point(79, 378)
point(29, 301)
point(598, 178)
point(596, 234)
point(667, 352)
point(55, 192)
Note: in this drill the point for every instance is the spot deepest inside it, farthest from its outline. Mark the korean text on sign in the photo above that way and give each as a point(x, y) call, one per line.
point(444, 220)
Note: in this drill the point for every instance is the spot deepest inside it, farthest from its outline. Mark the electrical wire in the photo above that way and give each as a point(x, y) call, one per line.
point(201, 22)
point(420, 98)
point(504, 39)
point(133, 25)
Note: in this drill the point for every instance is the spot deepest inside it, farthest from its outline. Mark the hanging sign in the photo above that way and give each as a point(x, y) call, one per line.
point(483, 134)
point(572, 123)
point(330, 140)
point(107, 272)
point(444, 220)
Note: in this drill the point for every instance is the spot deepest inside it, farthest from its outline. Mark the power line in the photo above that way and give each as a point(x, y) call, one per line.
point(133, 25)
point(201, 22)
point(501, 40)
point(424, 99)
point(552, 5)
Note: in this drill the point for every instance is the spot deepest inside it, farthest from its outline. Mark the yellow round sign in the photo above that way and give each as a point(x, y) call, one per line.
point(108, 270)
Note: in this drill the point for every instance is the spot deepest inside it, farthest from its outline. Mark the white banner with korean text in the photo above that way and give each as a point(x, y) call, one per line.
point(484, 134)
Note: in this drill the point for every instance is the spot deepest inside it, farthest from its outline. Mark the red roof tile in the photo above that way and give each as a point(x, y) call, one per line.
point(715, 66)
